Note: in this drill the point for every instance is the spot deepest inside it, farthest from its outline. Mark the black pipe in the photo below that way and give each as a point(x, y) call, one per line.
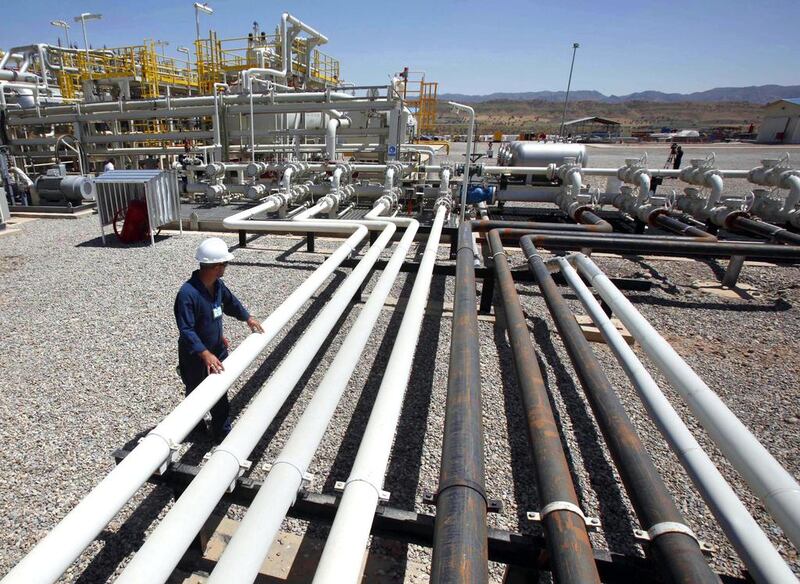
point(571, 555)
point(588, 217)
point(675, 225)
point(767, 230)
point(640, 245)
point(460, 546)
point(678, 553)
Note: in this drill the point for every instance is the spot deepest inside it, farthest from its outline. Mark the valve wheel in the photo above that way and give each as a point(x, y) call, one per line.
point(120, 214)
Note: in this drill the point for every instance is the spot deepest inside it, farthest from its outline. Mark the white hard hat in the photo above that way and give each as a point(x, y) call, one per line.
point(213, 251)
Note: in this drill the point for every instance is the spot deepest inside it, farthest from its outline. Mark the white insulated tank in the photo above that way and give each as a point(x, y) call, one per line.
point(522, 153)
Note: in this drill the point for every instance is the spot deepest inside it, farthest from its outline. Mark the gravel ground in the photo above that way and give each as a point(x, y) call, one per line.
point(91, 365)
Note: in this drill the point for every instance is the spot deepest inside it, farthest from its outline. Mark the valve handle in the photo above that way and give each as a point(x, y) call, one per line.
point(594, 196)
point(671, 200)
point(748, 202)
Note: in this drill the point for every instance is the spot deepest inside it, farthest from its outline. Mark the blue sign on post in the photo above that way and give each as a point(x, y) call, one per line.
point(392, 150)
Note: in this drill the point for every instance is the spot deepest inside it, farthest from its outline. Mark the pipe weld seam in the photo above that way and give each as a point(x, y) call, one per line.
point(666, 527)
point(465, 483)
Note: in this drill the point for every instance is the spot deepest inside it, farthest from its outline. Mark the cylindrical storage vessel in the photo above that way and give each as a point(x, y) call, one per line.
point(544, 153)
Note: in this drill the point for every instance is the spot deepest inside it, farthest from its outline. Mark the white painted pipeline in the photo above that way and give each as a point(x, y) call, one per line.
point(644, 186)
point(330, 133)
point(286, 54)
point(770, 482)
point(285, 60)
point(468, 156)
point(793, 198)
point(217, 136)
point(164, 548)
point(388, 180)
point(21, 174)
point(321, 206)
point(444, 182)
point(715, 182)
point(344, 550)
point(421, 149)
point(576, 182)
point(246, 551)
point(762, 560)
point(46, 562)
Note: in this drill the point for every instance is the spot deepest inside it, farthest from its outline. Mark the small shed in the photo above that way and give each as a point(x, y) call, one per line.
point(115, 189)
point(781, 122)
point(593, 129)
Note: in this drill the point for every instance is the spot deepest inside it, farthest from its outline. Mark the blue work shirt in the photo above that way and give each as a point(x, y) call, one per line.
point(199, 315)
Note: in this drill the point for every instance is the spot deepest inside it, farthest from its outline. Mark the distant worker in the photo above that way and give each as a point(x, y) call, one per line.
point(489, 151)
point(671, 158)
point(109, 165)
point(678, 157)
point(199, 307)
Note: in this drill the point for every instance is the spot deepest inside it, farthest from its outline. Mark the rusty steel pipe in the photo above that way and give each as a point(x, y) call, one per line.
point(571, 555)
point(588, 217)
point(672, 542)
point(675, 225)
point(460, 544)
point(766, 230)
point(594, 224)
point(652, 245)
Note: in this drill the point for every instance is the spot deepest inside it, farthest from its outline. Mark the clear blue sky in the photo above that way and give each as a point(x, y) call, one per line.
point(479, 47)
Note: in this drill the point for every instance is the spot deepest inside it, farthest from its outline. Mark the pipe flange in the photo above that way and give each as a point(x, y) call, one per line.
point(652, 215)
point(730, 219)
point(446, 202)
point(215, 169)
point(256, 191)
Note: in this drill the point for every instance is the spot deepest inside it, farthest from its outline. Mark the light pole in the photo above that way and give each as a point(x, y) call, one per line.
point(465, 109)
point(62, 24)
point(82, 19)
point(198, 8)
point(185, 51)
point(566, 97)
point(162, 44)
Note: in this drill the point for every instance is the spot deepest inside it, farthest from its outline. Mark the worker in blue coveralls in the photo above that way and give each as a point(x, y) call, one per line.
point(199, 307)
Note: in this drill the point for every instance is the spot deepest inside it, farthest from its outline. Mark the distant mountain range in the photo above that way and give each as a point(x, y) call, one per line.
point(754, 94)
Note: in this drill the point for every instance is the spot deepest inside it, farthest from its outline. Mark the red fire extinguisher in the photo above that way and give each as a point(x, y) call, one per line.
point(136, 226)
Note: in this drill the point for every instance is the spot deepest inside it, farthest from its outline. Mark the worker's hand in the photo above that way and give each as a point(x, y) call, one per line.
point(226, 342)
point(254, 325)
point(213, 364)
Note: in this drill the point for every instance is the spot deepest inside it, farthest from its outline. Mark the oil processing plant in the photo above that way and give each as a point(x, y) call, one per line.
point(262, 139)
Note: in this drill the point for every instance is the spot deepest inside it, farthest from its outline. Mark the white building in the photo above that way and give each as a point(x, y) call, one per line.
point(781, 122)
